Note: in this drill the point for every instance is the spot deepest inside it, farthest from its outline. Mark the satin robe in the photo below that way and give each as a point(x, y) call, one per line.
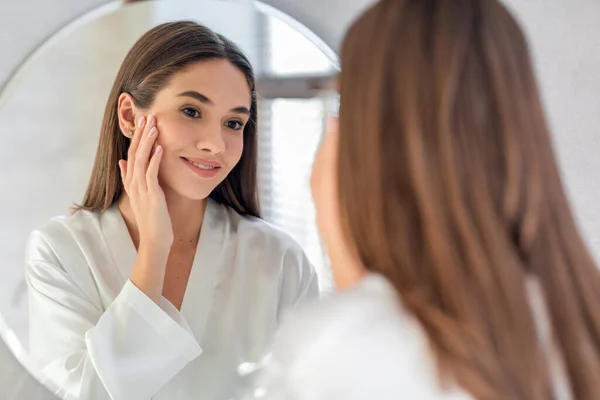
point(364, 344)
point(99, 337)
point(354, 345)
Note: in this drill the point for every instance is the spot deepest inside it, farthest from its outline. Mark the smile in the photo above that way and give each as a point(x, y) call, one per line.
point(203, 169)
point(209, 167)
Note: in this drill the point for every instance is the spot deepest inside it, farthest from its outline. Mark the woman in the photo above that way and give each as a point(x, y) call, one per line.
point(165, 278)
point(460, 270)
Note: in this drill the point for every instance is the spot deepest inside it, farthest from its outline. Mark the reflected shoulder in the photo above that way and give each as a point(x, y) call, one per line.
point(49, 240)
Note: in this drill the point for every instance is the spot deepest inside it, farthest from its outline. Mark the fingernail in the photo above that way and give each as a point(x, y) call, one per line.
point(158, 149)
point(150, 119)
point(152, 132)
point(141, 121)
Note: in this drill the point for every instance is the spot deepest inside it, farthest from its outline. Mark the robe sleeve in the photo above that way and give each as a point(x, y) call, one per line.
point(129, 351)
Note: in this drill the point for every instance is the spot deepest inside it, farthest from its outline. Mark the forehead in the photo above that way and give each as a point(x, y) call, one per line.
point(219, 80)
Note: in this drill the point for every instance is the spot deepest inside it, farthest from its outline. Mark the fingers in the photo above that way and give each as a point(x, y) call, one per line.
point(123, 169)
point(134, 171)
point(153, 167)
point(142, 155)
point(135, 141)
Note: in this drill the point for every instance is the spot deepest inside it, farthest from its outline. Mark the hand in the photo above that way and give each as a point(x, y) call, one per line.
point(140, 179)
point(323, 182)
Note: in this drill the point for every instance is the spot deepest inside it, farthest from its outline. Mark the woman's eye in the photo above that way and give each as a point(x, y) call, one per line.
point(191, 112)
point(235, 125)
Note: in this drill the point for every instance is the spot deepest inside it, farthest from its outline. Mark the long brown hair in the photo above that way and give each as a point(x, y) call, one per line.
point(161, 52)
point(449, 187)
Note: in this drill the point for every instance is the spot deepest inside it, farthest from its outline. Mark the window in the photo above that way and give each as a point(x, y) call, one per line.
point(290, 129)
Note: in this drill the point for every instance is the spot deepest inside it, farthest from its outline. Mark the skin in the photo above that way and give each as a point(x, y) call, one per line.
point(345, 264)
point(200, 114)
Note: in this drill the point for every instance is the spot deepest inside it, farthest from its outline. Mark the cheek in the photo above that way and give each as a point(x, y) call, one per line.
point(323, 182)
point(234, 145)
point(171, 133)
point(173, 136)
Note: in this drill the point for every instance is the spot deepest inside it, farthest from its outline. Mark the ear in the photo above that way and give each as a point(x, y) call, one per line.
point(126, 112)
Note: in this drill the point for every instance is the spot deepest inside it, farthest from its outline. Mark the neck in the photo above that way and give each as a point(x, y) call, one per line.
point(186, 218)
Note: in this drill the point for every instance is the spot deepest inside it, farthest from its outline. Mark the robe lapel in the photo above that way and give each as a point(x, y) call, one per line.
point(197, 299)
point(119, 243)
point(200, 290)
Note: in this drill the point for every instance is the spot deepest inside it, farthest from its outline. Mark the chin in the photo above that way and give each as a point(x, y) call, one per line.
point(195, 190)
point(199, 194)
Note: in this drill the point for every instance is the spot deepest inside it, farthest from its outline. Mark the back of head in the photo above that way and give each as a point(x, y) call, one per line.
point(442, 126)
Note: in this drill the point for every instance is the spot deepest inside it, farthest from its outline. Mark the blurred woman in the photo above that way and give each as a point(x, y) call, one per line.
point(460, 270)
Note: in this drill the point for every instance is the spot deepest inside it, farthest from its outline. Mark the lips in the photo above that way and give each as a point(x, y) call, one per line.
point(202, 168)
point(202, 163)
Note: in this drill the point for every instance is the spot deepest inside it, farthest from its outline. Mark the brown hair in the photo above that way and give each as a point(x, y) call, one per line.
point(441, 124)
point(156, 56)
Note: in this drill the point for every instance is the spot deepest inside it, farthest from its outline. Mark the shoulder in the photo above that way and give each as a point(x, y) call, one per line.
point(335, 315)
point(364, 332)
point(59, 253)
point(275, 254)
point(57, 237)
point(262, 236)
point(267, 233)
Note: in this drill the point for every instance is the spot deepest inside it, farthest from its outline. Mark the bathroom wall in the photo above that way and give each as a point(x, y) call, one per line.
point(565, 41)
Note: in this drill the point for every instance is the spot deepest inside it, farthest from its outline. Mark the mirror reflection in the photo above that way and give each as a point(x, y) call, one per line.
point(174, 139)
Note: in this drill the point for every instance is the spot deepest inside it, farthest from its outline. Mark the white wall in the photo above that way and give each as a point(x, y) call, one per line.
point(565, 40)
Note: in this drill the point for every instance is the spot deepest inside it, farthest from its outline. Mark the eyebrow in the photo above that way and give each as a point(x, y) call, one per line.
point(205, 100)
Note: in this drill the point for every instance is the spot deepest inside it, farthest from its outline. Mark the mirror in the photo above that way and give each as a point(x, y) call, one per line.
point(51, 111)
point(19, 378)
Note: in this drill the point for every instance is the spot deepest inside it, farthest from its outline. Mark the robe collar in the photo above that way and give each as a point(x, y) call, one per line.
point(197, 299)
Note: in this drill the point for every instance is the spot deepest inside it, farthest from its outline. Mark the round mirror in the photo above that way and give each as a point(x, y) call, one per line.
point(51, 112)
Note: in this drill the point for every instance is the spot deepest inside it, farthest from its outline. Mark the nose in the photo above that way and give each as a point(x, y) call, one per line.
point(211, 140)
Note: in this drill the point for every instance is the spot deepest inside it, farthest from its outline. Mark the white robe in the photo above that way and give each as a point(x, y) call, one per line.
point(99, 337)
point(362, 344)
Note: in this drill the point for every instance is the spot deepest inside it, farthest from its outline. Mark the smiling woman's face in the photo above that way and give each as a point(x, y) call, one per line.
point(201, 116)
